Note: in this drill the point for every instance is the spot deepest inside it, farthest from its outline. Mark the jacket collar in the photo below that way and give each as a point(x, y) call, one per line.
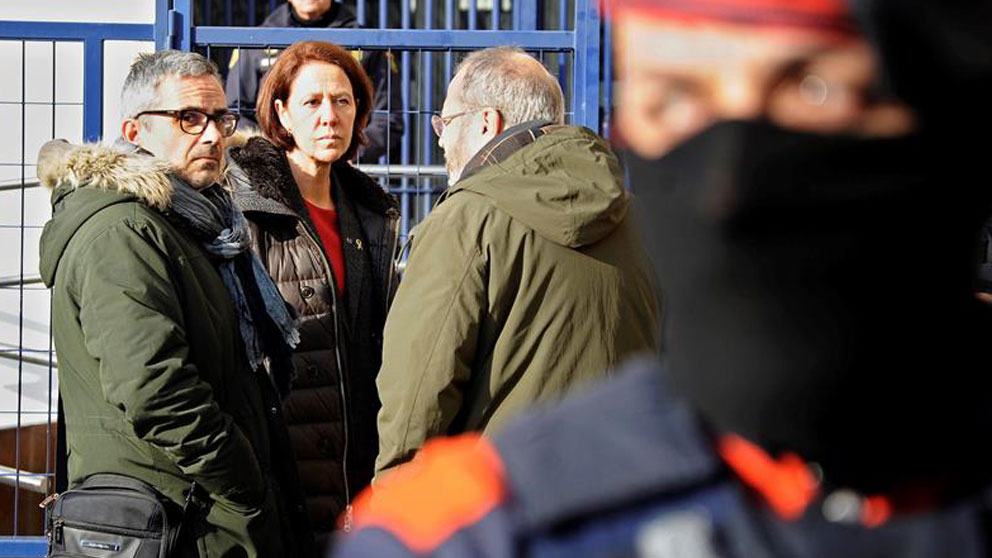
point(508, 142)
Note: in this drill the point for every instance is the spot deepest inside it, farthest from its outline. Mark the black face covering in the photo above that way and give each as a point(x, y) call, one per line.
point(819, 292)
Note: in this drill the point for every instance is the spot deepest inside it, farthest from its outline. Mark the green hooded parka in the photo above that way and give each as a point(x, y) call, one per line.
point(152, 370)
point(526, 281)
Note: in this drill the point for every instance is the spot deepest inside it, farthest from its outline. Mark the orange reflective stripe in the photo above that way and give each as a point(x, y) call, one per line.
point(786, 484)
point(875, 511)
point(452, 483)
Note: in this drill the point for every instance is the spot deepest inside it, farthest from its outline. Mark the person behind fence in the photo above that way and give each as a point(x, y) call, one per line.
point(170, 336)
point(527, 280)
point(249, 66)
point(821, 396)
point(326, 233)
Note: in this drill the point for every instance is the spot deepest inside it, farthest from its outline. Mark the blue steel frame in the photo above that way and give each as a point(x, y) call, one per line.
point(173, 28)
point(92, 35)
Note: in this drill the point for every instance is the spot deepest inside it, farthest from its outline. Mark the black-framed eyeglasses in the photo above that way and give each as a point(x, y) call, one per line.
point(194, 122)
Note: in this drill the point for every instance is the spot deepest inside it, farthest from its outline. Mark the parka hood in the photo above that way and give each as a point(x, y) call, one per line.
point(567, 185)
point(85, 179)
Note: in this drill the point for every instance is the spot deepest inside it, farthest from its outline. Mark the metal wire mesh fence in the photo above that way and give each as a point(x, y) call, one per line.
point(40, 100)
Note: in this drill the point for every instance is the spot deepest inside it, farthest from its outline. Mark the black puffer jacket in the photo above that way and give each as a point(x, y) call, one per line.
point(335, 335)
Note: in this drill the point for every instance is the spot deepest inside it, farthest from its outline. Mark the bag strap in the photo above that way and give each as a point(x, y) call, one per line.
point(114, 480)
point(182, 536)
point(61, 451)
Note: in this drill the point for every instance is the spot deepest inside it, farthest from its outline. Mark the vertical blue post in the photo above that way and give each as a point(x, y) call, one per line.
point(585, 78)
point(473, 12)
point(607, 58)
point(383, 23)
point(49, 427)
point(228, 13)
point(449, 20)
point(92, 89)
point(562, 73)
point(362, 21)
point(494, 19)
point(405, 150)
point(20, 303)
point(427, 131)
point(251, 13)
point(391, 83)
point(181, 24)
point(449, 23)
point(162, 24)
point(525, 15)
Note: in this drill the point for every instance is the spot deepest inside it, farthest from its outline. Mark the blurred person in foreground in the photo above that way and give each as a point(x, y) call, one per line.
point(807, 194)
point(248, 68)
point(326, 233)
point(527, 280)
point(983, 281)
point(168, 332)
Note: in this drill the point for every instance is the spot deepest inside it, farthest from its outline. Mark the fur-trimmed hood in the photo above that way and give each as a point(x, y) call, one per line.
point(262, 181)
point(112, 167)
point(102, 175)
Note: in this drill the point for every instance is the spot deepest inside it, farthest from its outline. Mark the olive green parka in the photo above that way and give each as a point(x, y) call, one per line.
point(527, 280)
point(152, 370)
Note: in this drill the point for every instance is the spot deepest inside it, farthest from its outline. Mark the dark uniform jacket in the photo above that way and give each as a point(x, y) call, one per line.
point(625, 470)
point(152, 368)
point(331, 409)
point(249, 66)
point(984, 281)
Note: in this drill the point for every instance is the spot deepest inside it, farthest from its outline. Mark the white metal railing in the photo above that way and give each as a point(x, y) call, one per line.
point(35, 482)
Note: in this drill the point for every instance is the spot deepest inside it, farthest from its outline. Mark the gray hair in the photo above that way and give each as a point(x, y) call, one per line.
point(140, 91)
point(509, 79)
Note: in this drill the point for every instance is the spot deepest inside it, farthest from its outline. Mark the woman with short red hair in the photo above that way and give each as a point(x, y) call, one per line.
point(326, 233)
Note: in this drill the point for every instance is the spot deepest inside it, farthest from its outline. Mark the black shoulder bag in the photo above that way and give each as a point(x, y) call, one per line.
point(116, 515)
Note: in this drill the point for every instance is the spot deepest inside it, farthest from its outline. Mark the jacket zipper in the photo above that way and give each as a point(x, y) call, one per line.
point(393, 261)
point(346, 418)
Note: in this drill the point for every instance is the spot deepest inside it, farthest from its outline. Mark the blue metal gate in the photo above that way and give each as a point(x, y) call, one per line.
point(426, 38)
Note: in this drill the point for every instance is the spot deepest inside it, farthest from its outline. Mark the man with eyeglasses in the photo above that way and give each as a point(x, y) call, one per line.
point(170, 335)
point(527, 281)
